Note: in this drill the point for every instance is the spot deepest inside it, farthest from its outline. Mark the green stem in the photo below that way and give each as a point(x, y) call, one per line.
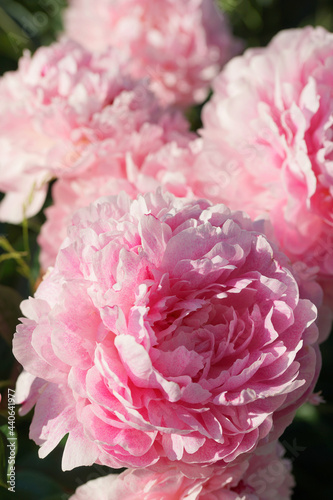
point(23, 266)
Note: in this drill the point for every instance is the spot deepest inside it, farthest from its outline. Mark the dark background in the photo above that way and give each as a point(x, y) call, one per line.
point(27, 24)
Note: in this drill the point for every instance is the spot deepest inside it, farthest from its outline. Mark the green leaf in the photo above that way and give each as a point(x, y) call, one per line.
point(308, 412)
point(32, 485)
point(5, 431)
point(9, 312)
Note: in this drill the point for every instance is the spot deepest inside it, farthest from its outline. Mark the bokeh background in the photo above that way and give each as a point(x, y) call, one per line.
point(27, 24)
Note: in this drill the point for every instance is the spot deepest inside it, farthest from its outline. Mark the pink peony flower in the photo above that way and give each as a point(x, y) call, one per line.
point(268, 143)
point(180, 46)
point(170, 166)
point(66, 111)
point(262, 477)
point(168, 331)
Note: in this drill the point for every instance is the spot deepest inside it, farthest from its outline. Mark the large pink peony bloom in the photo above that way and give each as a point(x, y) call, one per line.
point(262, 477)
point(66, 111)
point(179, 45)
point(170, 165)
point(167, 331)
point(268, 141)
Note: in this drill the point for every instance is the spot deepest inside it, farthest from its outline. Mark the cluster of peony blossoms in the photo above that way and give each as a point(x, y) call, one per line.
point(171, 335)
point(180, 45)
